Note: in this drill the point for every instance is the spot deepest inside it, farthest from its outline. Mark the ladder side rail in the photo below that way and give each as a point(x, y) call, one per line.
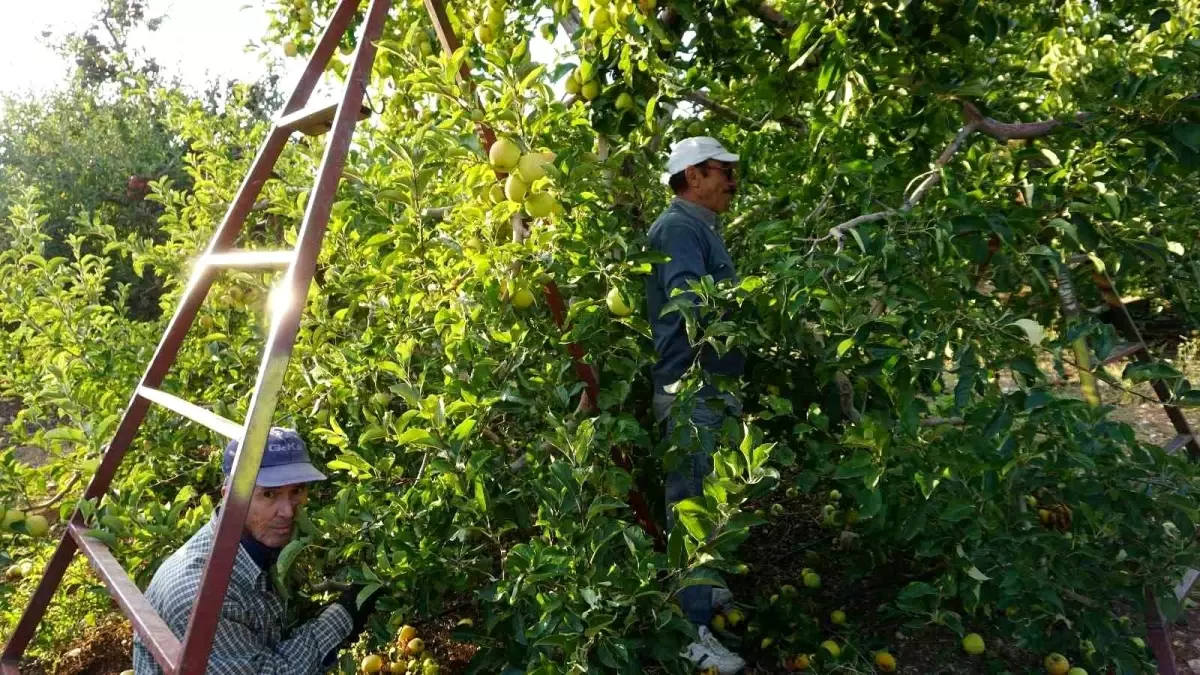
point(202, 623)
point(155, 633)
point(1125, 324)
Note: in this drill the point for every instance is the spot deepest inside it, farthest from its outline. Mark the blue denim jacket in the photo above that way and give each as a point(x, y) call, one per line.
point(686, 232)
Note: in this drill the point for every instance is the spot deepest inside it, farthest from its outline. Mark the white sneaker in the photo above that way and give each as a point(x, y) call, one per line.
point(722, 598)
point(708, 652)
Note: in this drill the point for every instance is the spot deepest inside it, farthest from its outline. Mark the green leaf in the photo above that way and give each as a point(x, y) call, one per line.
point(417, 436)
point(1145, 372)
point(365, 593)
point(66, 434)
point(649, 115)
point(105, 536)
point(1050, 156)
point(844, 346)
point(371, 433)
point(796, 43)
point(532, 77)
point(975, 574)
point(1033, 330)
point(676, 548)
point(958, 512)
point(464, 429)
point(855, 166)
point(288, 556)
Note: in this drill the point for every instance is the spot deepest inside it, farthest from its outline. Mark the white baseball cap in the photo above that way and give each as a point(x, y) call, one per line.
point(697, 150)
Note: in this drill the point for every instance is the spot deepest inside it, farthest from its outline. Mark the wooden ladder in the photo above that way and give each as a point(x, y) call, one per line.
point(189, 656)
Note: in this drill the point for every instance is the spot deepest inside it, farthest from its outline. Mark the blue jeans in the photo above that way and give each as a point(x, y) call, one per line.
point(687, 478)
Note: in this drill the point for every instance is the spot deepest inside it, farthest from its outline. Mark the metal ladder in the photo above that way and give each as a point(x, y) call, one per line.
point(190, 656)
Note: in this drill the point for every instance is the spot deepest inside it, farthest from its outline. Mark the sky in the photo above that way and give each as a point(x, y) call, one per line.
point(197, 40)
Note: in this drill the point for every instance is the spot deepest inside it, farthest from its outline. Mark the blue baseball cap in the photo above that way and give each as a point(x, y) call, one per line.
point(284, 462)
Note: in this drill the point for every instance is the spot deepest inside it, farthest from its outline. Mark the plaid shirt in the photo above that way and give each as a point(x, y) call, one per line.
point(250, 635)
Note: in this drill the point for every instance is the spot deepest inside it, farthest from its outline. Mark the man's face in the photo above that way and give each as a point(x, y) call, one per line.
point(713, 184)
point(273, 513)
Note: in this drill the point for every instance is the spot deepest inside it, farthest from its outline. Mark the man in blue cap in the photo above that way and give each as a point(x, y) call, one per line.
point(700, 171)
point(252, 636)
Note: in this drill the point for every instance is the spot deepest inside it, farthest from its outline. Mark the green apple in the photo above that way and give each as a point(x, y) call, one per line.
point(515, 188)
point(522, 299)
point(590, 90)
point(973, 644)
point(494, 17)
point(539, 204)
point(531, 167)
point(624, 101)
point(484, 34)
point(36, 525)
point(504, 155)
point(496, 193)
point(616, 303)
point(11, 516)
point(601, 19)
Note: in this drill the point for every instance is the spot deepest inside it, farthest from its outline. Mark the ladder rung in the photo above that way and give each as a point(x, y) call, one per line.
point(1184, 587)
point(195, 413)
point(1176, 443)
point(1123, 352)
point(315, 120)
point(157, 635)
point(274, 260)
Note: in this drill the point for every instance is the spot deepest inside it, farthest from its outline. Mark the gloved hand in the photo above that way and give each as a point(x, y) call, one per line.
point(358, 613)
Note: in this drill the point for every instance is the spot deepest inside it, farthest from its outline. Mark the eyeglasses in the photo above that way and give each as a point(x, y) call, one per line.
point(727, 169)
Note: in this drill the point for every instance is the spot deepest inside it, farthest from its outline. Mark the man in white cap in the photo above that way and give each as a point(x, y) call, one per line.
point(252, 634)
point(700, 171)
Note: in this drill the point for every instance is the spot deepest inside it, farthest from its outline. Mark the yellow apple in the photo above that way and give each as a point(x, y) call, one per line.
point(371, 664)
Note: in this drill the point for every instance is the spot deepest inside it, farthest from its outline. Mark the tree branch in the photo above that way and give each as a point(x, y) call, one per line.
point(702, 99)
point(973, 121)
point(57, 497)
